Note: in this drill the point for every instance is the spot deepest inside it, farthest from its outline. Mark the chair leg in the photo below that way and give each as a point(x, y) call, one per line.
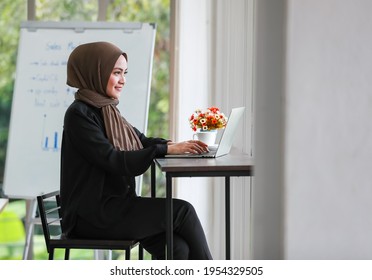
point(51, 253)
point(127, 254)
point(140, 252)
point(67, 254)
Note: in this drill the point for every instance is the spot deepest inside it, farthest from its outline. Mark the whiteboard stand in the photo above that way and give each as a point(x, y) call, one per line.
point(100, 255)
point(3, 203)
point(30, 220)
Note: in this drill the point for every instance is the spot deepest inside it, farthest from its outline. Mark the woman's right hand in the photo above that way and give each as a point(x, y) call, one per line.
point(191, 146)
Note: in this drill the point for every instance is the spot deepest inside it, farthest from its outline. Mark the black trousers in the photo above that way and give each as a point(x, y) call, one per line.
point(145, 221)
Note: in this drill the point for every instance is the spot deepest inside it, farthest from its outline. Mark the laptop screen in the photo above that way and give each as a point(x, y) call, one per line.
point(229, 132)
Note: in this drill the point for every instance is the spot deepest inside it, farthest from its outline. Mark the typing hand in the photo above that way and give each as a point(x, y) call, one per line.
point(191, 146)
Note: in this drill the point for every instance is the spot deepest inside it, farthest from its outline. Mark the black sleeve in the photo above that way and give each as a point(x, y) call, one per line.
point(149, 141)
point(86, 133)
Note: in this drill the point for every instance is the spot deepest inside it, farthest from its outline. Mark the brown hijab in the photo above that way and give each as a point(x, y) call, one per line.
point(89, 68)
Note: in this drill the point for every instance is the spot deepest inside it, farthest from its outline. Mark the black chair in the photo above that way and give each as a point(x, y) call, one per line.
point(50, 216)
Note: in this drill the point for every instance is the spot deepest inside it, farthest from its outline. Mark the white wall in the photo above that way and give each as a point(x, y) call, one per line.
point(269, 76)
point(329, 130)
point(318, 181)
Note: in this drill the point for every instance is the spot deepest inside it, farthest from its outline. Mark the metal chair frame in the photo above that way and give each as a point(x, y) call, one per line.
point(51, 217)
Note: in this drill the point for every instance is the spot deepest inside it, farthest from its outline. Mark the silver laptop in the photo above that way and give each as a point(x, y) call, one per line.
point(226, 140)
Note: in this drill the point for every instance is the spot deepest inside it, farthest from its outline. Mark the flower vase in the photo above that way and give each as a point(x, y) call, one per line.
point(206, 136)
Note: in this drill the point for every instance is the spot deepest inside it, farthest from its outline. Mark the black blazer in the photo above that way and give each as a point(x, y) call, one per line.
point(96, 179)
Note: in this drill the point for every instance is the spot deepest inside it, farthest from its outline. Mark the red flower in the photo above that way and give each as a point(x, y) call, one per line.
point(214, 110)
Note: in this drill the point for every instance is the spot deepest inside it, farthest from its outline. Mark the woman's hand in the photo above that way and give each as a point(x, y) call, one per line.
point(191, 146)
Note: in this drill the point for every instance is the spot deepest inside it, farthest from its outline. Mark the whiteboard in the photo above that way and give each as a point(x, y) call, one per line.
point(41, 95)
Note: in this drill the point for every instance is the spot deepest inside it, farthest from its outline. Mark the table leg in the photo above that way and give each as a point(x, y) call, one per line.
point(169, 218)
point(227, 216)
point(152, 193)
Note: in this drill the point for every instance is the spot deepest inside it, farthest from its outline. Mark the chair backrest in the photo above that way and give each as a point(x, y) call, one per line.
point(50, 215)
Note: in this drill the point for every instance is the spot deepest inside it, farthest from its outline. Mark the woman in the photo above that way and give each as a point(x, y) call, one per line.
point(101, 155)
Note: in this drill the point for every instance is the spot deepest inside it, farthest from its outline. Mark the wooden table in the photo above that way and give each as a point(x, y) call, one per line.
point(231, 165)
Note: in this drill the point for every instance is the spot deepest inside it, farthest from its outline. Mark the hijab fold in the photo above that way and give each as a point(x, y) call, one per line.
point(89, 68)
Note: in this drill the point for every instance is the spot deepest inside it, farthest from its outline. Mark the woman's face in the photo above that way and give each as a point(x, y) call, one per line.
point(117, 78)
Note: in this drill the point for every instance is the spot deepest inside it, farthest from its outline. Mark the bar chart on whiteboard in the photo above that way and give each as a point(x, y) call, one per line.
point(50, 137)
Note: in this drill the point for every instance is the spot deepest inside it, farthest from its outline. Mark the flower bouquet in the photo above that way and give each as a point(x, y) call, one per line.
point(211, 119)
